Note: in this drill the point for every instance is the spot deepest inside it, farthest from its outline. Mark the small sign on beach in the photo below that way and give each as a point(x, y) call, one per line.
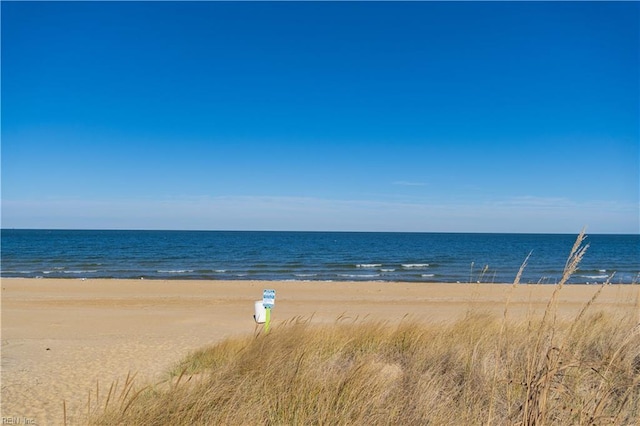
point(269, 298)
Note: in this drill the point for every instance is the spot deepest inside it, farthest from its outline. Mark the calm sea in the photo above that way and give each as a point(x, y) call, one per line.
point(317, 256)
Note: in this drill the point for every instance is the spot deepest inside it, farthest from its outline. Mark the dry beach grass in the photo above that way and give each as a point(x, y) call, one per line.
point(470, 372)
point(338, 353)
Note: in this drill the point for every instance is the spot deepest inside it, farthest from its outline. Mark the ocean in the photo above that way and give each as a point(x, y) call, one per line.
point(313, 256)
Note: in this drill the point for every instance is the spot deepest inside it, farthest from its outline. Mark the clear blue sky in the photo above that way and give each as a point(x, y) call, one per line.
point(362, 116)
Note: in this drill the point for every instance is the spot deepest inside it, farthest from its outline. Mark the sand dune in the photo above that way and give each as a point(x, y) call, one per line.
point(62, 339)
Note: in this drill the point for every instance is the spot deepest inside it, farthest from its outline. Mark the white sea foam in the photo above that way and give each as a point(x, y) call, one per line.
point(428, 275)
point(595, 277)
point(415, 265)
point(174, 271)
point(305, 275)
point(221, 271)
point(369, 265)
point(387, 270)
point(80, 272)
point(358, 275)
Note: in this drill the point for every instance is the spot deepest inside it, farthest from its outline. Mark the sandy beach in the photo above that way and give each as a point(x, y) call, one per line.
point(63, 339)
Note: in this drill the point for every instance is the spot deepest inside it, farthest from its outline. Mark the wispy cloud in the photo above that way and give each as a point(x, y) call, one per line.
point(517, 214)
point(536, 202)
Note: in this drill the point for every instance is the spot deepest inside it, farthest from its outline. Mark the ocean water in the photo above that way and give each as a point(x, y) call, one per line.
point(314, 256)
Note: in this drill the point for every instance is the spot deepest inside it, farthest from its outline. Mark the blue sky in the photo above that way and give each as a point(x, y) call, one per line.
point(362, 116)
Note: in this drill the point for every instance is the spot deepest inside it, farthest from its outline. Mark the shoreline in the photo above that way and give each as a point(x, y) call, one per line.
point(63, 338)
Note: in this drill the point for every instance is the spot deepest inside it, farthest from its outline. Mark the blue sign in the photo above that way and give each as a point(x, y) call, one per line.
point(269, 298)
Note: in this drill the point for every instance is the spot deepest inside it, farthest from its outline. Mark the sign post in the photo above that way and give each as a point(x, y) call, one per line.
point(268, 300)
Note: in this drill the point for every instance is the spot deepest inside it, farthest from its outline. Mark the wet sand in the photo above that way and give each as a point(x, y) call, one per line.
point(66, 340)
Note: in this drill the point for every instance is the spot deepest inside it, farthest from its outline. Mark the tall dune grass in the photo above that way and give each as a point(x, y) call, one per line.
point(478, 370)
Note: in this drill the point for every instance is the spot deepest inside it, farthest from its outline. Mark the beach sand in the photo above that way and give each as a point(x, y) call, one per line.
point(64, 339)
